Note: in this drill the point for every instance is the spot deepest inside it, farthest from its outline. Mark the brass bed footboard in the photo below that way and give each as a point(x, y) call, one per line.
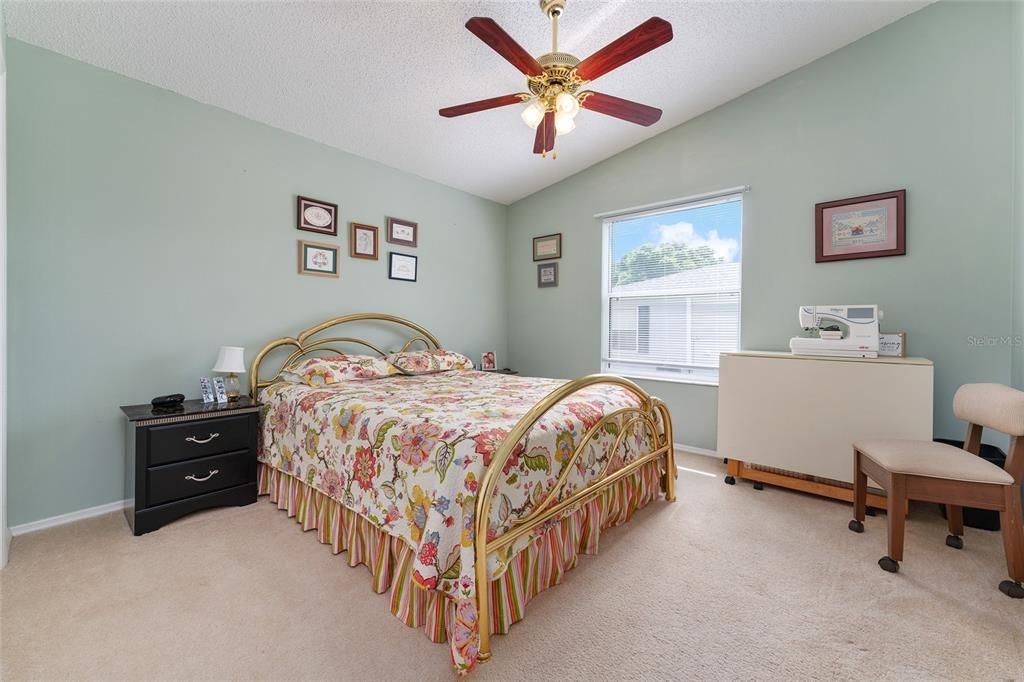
point(651, 415)
point(648, 414)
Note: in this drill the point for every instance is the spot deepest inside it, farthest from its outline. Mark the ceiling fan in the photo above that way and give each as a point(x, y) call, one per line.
point(554, 79)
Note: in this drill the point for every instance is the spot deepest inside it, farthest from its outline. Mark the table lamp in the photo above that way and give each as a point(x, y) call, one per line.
point(231, 362)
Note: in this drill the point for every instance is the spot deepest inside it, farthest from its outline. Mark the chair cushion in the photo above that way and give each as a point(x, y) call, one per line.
point(935, 460)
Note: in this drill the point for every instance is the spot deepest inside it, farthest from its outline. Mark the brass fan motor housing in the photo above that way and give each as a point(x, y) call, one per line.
point(559, 75)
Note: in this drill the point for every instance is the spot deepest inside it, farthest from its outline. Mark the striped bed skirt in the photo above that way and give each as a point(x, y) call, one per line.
point(542, 564)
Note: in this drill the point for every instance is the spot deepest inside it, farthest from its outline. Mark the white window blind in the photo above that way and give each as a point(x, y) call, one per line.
point(671, 290)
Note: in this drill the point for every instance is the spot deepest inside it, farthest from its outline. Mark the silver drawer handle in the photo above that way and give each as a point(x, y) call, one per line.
point(213, 472)
point(193, 439)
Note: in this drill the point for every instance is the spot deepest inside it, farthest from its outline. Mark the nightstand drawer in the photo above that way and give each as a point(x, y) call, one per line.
point(177, 442)
point(195, 477)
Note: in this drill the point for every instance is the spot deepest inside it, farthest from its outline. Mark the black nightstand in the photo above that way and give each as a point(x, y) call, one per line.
point(203, 455)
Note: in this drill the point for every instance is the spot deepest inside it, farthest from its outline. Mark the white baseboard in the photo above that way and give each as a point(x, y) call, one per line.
point(695, 450)
point(70, 517)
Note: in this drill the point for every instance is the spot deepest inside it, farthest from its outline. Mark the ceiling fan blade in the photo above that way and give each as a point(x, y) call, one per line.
point(487, 30)
point(545, 139)
point(653, 33)
point(634, 112)
point(481, 105)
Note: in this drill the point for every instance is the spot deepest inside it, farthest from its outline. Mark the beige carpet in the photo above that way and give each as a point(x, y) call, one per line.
point(728, 583)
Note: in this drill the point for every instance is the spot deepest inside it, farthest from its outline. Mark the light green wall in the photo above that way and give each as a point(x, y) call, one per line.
point(148, 229)
point(922, 104)
point(1018, 286)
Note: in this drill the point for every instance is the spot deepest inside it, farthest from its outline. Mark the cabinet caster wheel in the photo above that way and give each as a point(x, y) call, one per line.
point(954, 541)
point(1011, 589)
point(871, 511)
point(758, 485)
point(730, 480)
point(856, 526)
point(889, 564)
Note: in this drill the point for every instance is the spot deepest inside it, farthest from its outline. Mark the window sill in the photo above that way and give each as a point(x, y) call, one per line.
point(695, 382)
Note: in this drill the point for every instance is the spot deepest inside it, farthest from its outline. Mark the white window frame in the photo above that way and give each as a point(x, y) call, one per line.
point(691, 374)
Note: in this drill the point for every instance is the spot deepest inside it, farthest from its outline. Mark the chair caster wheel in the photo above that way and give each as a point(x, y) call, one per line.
point(871, 511)
point(856, 526)
point(730, 480)
point(725, 460)
point(1011, 589)
point(758, 485)
point(889, 564)
point(954, 541)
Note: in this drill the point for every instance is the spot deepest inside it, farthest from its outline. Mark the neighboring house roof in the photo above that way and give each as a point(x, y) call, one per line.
point(713, 278)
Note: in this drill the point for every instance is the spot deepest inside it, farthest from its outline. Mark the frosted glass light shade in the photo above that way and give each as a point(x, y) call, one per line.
point(533, 114)
point(564, 123)
point(567, 104)
point(230, 360)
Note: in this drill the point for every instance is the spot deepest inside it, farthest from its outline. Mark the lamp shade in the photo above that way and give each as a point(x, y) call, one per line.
point(230, 359)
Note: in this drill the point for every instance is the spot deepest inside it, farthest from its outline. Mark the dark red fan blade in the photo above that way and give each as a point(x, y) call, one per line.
point(634, 112)
point(481, 105)
point(653, 33)
point(488, 31)
point(545, 140)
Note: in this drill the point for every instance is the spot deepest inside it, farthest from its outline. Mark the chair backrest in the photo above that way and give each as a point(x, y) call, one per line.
point(996, 407)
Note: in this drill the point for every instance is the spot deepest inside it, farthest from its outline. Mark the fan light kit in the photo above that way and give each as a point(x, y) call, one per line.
point(554, 79)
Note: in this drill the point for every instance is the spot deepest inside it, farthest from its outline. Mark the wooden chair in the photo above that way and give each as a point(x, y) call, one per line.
point(934, 472)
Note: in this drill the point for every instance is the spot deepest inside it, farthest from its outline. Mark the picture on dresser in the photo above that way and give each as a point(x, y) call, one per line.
point(487, 361)
point(220, 389)
point(206, 388)
point(402, 266)
point(317, 216)
point(362, 241)
point(402, 232)
point(318, 259)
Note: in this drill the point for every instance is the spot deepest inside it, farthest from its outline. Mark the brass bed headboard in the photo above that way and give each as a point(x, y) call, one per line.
point(305, 343)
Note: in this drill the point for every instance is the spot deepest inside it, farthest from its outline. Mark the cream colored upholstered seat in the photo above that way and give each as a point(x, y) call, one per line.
point(935, 460)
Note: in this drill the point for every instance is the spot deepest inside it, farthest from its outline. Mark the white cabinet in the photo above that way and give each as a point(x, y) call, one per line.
point(801, 414)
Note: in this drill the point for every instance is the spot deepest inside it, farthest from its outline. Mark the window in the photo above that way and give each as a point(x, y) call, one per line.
point(671, 294)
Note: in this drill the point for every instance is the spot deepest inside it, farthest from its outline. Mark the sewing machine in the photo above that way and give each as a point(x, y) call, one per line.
point(849, 331)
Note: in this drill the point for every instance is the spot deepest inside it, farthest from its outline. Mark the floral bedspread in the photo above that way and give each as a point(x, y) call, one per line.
point(409, 452)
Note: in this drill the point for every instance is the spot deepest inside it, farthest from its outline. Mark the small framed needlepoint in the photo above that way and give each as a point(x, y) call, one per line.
point(318, 259)
point(861, 227)
point(362, 241)
point(547, 247)
point(402, 266)
point(893, 344)
point(547, 275)
point(317, 216)
point(402, 232)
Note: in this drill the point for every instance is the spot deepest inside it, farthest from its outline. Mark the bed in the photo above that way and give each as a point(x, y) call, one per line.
point(442, 482)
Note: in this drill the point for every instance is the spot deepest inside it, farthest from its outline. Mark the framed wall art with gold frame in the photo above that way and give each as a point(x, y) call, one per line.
point(317, 259)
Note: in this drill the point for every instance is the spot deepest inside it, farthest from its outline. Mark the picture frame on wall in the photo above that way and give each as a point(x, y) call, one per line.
point(403, 232)
point(870, 226)
point(547, 275)
point(362, 242)
point(402, 266)
point(317, 216)
point(320, 260)
point(547, 247)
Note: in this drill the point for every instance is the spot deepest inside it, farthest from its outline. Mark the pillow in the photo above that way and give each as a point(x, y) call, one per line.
point(429, 361)
point(337, 368)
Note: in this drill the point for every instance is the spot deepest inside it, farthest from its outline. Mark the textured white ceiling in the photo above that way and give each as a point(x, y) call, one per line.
point(369, 77)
